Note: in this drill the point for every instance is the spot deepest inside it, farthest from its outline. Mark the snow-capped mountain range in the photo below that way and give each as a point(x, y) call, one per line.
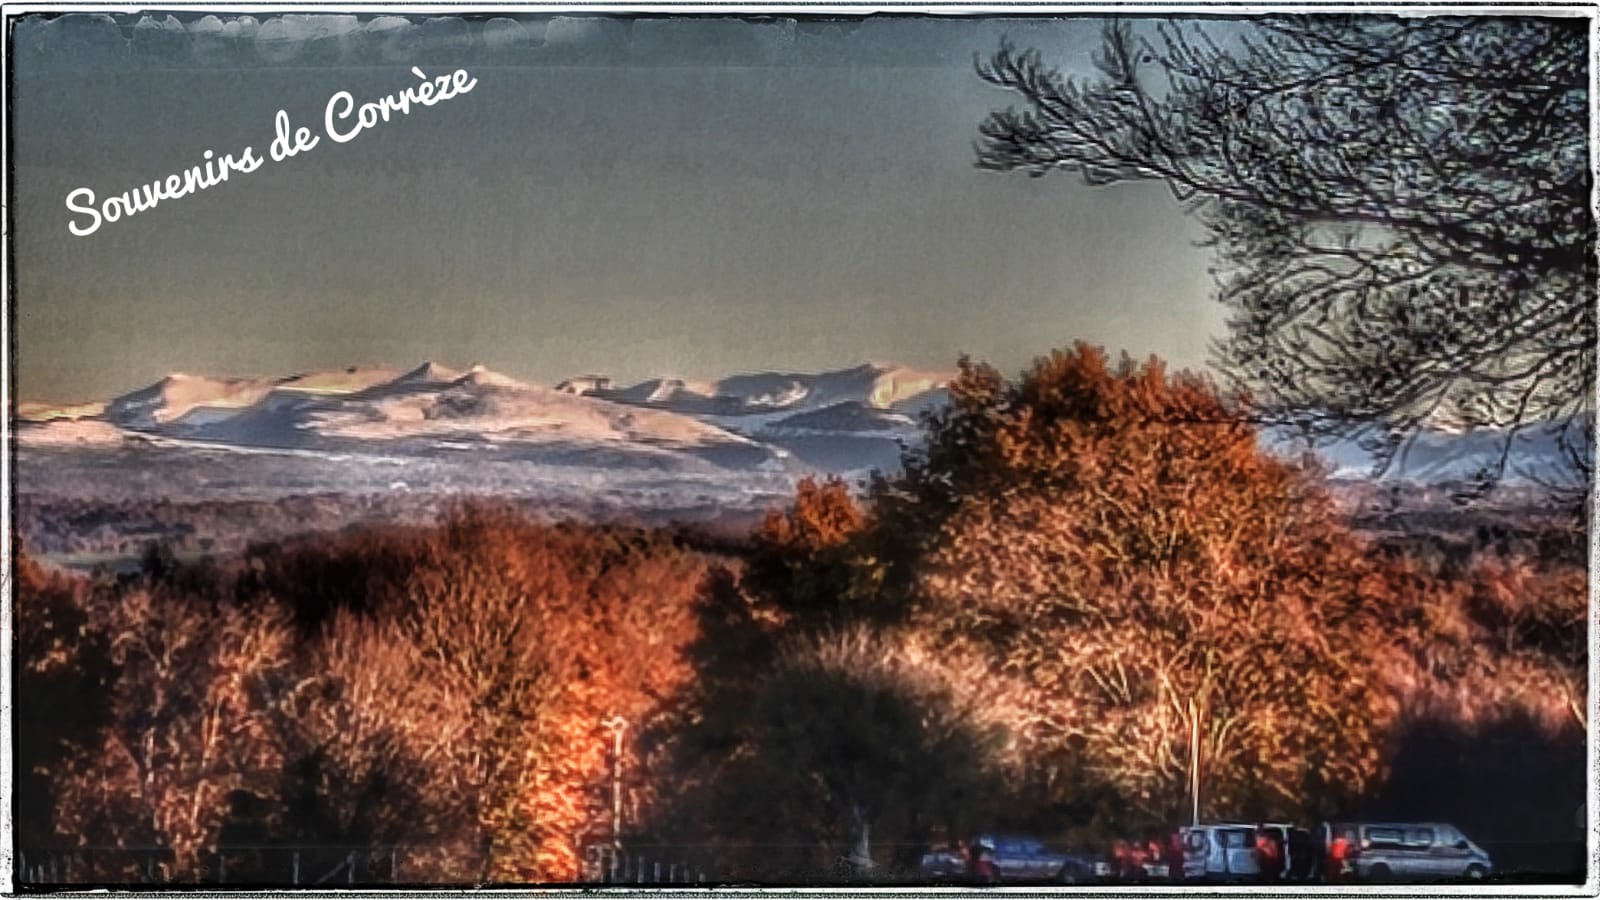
point(769, 422)
point(476, 429)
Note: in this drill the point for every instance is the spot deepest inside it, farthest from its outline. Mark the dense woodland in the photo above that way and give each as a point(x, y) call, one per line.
point(1020, 629)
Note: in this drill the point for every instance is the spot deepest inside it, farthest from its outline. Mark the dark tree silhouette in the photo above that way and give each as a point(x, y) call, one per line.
point(62, 668)
point(1400, 208)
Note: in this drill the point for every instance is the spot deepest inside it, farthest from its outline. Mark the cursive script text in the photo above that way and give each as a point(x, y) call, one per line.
point(342, 122)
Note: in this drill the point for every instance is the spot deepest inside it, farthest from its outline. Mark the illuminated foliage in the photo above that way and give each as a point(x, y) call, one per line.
point(1132, 564)
point(440, 689)
point(192, 722)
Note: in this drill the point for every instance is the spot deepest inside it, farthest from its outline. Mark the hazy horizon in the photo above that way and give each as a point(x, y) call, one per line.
point(632, 197)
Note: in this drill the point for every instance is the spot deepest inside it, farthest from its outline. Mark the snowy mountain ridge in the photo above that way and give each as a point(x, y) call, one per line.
point(766, 424)
point(434, 410)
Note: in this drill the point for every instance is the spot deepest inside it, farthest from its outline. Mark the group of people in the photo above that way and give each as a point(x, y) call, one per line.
point(1293, 855)
point(1134, 860)
point(1328, 856)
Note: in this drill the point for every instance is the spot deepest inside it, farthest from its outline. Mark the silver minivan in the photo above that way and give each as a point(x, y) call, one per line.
point(1225, 851)
point(1415, 851)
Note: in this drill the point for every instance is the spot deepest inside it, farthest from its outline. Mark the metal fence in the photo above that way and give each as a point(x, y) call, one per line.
point(276, 865)
point(607, 864)
point(325, 866)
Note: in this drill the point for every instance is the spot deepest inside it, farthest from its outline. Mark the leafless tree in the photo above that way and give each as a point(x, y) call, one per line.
point(1400, 208)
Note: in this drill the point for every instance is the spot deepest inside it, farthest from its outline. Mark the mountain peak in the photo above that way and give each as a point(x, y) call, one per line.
point(483, 376)
point(585, 384)
point(430, 372)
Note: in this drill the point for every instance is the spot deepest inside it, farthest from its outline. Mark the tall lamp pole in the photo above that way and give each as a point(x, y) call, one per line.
point(1194, 764)
point(618, 725)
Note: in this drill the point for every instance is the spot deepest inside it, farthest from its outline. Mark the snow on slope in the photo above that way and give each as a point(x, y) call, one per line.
point(750, 402)
point(1438, 456)
point(433, 409)
point(197, 400)
point(45, 412)
point(848, 416)
point(585, 384)
point(70, 432)
point(178, 394)
point(491, 406)
point(738, 429)
point(479, 376)
point(667, 391)
point(879, 386)
point(337, 381)
point(844, 421)
point(429, 372)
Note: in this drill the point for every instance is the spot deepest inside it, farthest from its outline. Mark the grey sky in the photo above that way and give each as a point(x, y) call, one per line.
point(634, 197)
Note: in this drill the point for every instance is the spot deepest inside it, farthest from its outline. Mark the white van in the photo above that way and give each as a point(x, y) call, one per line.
point(1415, 851)
point(1226, 851)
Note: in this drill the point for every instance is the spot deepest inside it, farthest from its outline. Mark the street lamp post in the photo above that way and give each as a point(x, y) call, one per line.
point(618, 725)
point(1194, 764)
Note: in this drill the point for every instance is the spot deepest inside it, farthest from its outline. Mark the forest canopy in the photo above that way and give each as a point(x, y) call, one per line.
point(1081, 570)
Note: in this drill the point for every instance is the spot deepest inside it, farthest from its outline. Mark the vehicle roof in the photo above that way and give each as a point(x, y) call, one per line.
point(1395, 825)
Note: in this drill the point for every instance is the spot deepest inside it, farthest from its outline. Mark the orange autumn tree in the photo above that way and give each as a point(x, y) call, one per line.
point(1135, 568)
point(191, 728)
point(438, 691)
point(1507, 637)
point(803, 568)
point(486, 670)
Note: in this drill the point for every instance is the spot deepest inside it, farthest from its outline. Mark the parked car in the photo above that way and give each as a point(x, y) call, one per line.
point(1409, 851)
point(1226, 851)
point(945, 862)
point(1019, 858)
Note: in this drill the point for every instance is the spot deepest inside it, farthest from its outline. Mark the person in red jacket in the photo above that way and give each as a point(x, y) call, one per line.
point(1175, 857)
point(1338, 857)
point(1134, 868)
point(983, 870)
point(1269, 854)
